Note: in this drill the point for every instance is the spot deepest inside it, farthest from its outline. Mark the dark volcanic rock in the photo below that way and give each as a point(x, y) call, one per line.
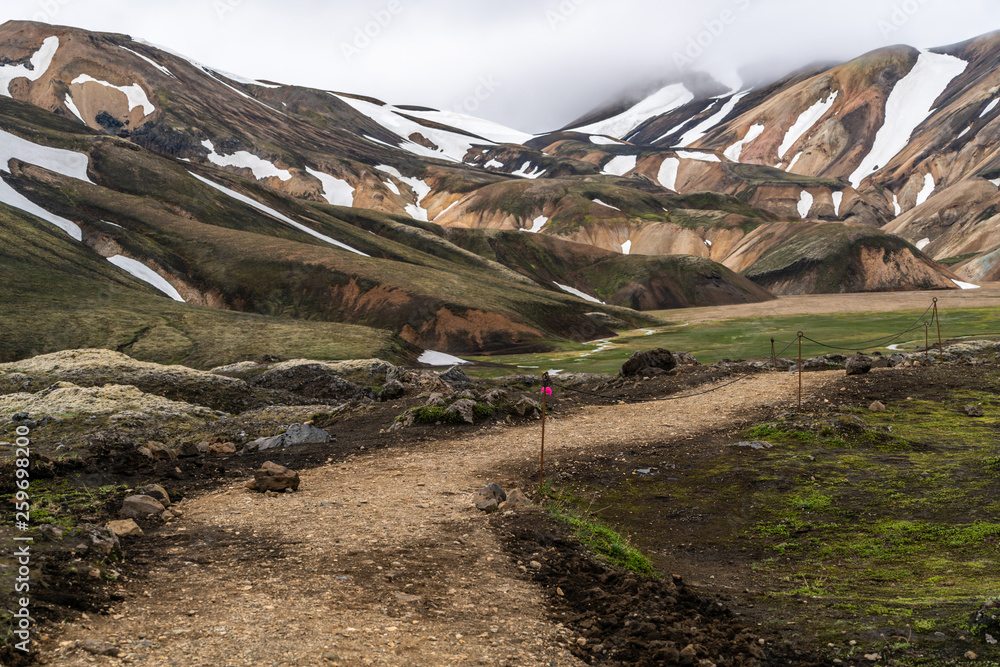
point(657, 358)
point(859, 364)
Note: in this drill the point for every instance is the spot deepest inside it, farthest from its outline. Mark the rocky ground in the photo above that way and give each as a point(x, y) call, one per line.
point(379, 556)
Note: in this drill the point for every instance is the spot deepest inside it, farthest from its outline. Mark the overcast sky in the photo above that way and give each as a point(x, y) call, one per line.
point(532, 64)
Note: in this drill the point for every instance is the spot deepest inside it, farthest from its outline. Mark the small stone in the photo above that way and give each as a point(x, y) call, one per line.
point(154, 491)
point(125, 528)
point(99, 648)
point(272, 478)
point(94, 574)
point(221, 449)
point(560, 592)
point(581, 641)
point(873, 657)
point(514, 499)
point(138, 507)
point(974, 410)
point(971, 655)
point(877, 406)
point(535, 565)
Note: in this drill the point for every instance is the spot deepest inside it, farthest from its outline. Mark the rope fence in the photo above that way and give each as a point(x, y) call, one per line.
point(885, 341)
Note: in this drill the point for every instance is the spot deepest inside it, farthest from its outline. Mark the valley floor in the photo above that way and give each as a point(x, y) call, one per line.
point(380, 558)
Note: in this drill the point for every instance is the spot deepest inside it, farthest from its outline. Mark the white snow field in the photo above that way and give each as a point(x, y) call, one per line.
point(805, 122)
point(493, 164)
point(260, 167)
point(151, 62)
point(336, 191)
point(620, 165)
point(668, 173)
point(908, 105)
point(598, 201)
point(927, 190)
point(604, 141)
point(805, 204)
point(432, 358)
point(524, 173)
point(419, 187)
point(576, 292)
point(68, 163)
point(703, 157)
point(40, 62)
point(627, 247)
point(838, 199)
point(146, 275)
point(134, 93)
point(537, 224)
point(990, 107)
point(71, 105)
point(923, 243)
point(702, 128)
point(965, 285)
point(736, 150)
point(283, 218)
point(663, 101)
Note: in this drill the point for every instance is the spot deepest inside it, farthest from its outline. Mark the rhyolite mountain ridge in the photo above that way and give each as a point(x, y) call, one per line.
point(291, 220)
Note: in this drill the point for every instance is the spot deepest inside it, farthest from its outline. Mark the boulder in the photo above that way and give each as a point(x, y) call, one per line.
point(639, 362)
point(455, 376)
point(435, 401)
point(140, 507)
point(496, 397)
point(102, 540)
point(125, 528)
point(488, 498)
point(896, 359)
point(273, 477)
point(877, 406)
point(974, 410)
point(685, 359)
point(305, 434)
point(879, 361)
point(465, 409)
point(528, 407)
point(154, 491)
point(157, 451)
point(189, 449)
point(221, 449)
point(514, 499)
point(859, 364)
point(391, 390)
point(984, 624)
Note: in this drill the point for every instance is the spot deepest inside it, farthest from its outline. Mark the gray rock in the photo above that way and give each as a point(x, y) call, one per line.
point(435, 401)
point(528, 407)
point(95, 647)
point(496, 397)
point(879, 361)
point(157, 451)
point(859, 364)
point(465, 409)
point(456, 376)
point(101, 539)
point(395, 374)
point(753, 444)
point(515, 498)
point(154, 491)
point(877, 406)
point(489, 497)
point(140, 507)
point(642, 362)
point(466, 394)
point(685, 359)
point(188, 449)
point(305, 434)
point(221, 449)
point(392, 390)
point(896, 359)
point(273, 477)
point(974, 410)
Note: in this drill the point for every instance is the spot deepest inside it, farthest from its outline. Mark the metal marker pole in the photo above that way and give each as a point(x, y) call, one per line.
point(927, 341)
point(937, 318)
point(800, 371)
point(546, 387)
point(774, 359)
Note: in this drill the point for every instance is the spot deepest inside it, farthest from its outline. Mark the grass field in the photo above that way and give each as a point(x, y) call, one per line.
point(750, 338)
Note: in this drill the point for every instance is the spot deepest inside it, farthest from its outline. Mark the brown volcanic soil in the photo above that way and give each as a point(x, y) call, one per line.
point(380, 558)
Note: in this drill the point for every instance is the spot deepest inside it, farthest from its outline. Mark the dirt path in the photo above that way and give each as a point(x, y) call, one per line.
point(379, 559)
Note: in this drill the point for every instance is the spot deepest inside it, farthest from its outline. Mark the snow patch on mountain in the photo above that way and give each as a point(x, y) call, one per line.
point(493, 164)
point(68, 163)
point(990, 107)
point(40, 62)
point(134, 93)
point(492, 132)
point(620, 165)
point(794, 161)
point(805, 122)
point(336, 191)
point(524, 173)
point(420, 190)
point(146, 275)
point(280, 216)
point(150, 61)
point(432, 358)
point(927, 190)
point(895, 205)
point(805, 204)
point(704, 157)
point(604, 141)
point(663, 101)
point(908, 105)
point(838, 199)
point(627, 247)
point(260, 167)
point(923, 243)
point(702, 128)
point(72, 108)
point(598, 201)
point(537, 224)
point(959, 283)
point(736, 150)
point(576, 292)
point(668, 173)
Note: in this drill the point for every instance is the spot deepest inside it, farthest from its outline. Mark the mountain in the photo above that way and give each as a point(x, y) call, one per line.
point(135, 179)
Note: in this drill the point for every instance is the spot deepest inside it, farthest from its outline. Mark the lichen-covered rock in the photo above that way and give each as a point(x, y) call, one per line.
point(65, 399)
point(463, 408)
point(274, 477)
